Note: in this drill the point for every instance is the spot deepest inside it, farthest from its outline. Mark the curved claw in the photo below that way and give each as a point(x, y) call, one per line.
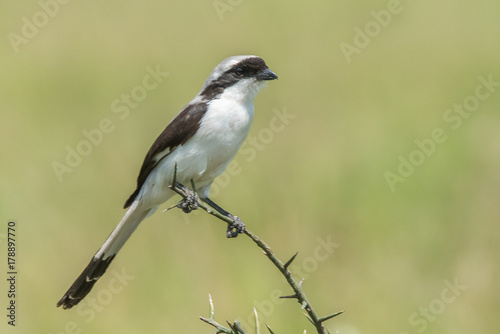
point(235, 228)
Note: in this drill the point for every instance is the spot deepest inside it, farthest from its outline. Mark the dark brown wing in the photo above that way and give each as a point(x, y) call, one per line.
point(178, 132)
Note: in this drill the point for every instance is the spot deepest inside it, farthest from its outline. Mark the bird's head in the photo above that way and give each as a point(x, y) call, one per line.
point(242, 75)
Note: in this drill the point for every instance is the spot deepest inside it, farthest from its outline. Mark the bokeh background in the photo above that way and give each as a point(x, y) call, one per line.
point(420, 256)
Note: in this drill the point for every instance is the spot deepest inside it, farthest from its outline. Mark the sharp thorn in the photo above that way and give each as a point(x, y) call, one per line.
point(174, 182)
point(193, 186)
point(290, 296)
point(269, 329)
point(231, 326)
point(257, 324)
point(172, 207)
point(212, 310)
point(330, 316)
point(290, 261)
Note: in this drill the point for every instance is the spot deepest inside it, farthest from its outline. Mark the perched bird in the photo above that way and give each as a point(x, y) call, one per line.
point(196, 146)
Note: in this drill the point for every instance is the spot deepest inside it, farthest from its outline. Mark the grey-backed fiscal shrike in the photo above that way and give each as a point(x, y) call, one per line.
point(196, 146)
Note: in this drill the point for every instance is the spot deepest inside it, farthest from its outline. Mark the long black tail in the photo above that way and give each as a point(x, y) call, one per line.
point(101, 260)
point(84, 283)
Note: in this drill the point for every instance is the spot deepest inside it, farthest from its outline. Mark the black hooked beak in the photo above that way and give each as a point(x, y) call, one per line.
point(266, 74)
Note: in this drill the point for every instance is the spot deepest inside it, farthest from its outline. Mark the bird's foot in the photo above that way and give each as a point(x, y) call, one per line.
point(235, 228)
point(188, 203)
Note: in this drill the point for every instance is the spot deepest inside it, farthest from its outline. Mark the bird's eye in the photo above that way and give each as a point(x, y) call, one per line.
point(239, 71)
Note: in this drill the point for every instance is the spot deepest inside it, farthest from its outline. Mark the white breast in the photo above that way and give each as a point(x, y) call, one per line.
point(205, 156)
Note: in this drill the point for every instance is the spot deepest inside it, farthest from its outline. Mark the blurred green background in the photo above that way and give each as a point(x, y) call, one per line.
point(312, 180)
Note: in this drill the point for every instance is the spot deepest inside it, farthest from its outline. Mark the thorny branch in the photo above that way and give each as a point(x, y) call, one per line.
point(299, 294)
